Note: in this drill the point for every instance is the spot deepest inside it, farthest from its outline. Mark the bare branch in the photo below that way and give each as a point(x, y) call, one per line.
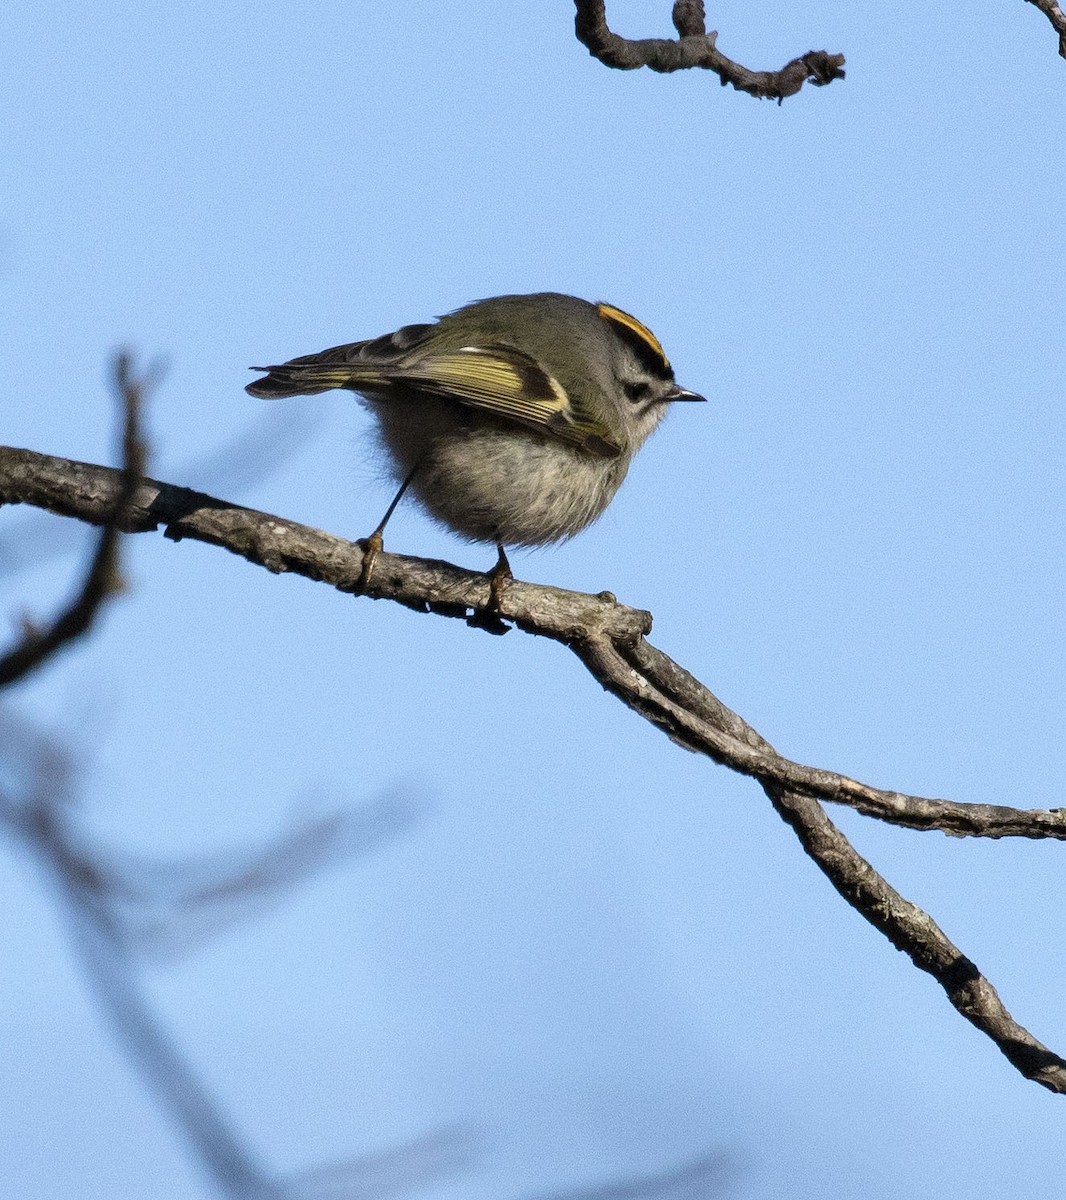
point(914, 932)
point(1057, 18)
point(606, 635)
point(88, 492)
point(608, 638)
point(709, 727)
point(102, 578)
point(697, 48)
point(693, 716)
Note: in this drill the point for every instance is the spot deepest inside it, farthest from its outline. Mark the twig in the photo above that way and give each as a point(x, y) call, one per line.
point(697, 48)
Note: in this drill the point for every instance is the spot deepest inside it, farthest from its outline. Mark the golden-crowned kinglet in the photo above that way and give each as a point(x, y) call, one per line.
point(513, 420)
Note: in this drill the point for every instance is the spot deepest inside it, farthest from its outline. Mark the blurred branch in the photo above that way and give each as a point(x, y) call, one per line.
point(1057, 18)
point(168, 908)
point(608, 638)
point(37, 786)
point(36, 806)
point(40, 816)
point(401, 1169)
point(695, 47)
point(102, 577)
point(252, 454)
point(708, 1175)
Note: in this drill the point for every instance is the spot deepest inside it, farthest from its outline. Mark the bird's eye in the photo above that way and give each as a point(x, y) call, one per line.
point(637, 390)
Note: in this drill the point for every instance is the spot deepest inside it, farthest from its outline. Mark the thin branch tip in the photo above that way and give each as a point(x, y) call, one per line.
point(694, 47)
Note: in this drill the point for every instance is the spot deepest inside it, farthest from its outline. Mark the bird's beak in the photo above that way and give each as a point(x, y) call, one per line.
point(680, 393)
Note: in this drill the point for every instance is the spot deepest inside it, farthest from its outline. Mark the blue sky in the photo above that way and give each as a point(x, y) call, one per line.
point(603, 954)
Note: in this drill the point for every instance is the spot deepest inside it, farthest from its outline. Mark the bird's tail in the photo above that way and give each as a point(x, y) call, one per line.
point(315, 373)
point(297, 381)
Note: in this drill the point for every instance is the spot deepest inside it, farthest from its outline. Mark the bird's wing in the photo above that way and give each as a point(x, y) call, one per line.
point(510, 384)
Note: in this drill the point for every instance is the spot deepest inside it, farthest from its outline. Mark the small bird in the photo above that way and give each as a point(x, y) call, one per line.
point(512, 420)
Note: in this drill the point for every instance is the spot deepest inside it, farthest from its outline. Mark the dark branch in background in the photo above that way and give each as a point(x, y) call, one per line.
point(609, 639)
point(102, 578)
point(695, 47)
point(708, 1175)
point(1057, 18)
point(165, 909)
point(101, 894)
point(120, 907)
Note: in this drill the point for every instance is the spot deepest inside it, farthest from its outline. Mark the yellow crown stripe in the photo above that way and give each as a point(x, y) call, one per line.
point(610, 313)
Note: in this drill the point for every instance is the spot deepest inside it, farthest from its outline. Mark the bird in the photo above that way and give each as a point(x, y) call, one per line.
point(512, 420)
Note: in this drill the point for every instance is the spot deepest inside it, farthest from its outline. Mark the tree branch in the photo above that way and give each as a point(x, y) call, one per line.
point(913, 931)
point(609, 638)
point(697, 48)
point(87, 492)
point(1057, 18)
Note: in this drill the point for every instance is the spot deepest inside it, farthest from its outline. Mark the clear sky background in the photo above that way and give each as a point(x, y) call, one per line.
point(603, 954)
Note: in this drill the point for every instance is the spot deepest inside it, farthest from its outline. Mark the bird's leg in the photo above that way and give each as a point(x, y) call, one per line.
point(488, 618)
point(372, 546)
point(499, 579)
